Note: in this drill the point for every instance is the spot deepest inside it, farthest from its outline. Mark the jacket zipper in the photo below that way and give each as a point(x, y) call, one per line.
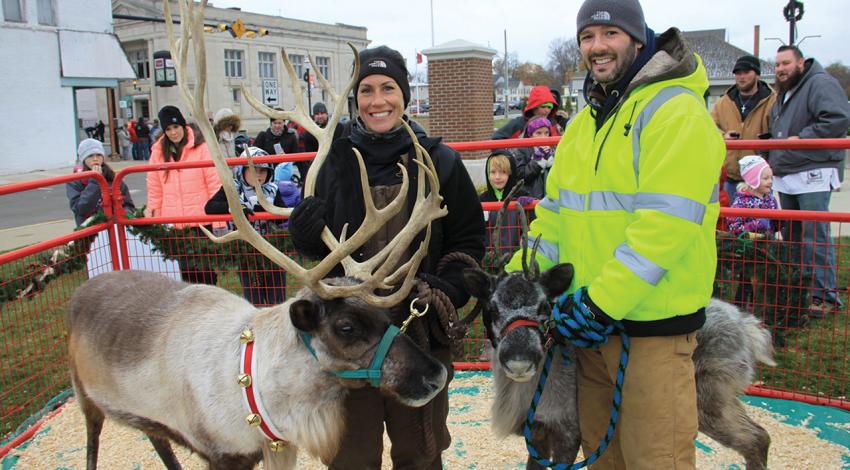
point(607, 133)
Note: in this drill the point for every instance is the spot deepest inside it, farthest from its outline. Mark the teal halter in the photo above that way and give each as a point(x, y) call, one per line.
point(373, 373)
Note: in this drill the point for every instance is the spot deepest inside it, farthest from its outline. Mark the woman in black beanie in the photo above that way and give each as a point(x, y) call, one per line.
point(418, 435)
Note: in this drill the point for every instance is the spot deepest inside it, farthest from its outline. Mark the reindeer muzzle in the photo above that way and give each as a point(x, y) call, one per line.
point(373, 372)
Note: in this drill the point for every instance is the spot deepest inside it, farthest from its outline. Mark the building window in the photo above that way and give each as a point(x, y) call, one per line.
point(297, 62)
point(46, 16)
point(237, 95)
point(138, 58)
point(266, 61)
point(232, 63)
point(12, 10)
point(323, 64)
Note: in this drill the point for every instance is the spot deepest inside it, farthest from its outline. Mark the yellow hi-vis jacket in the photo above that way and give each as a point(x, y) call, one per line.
point(633, 206)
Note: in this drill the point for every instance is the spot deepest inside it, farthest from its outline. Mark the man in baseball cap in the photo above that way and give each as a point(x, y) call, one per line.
point(743, 112)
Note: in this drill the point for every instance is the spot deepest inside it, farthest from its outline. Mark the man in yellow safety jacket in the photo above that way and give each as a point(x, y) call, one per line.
point(632, 202)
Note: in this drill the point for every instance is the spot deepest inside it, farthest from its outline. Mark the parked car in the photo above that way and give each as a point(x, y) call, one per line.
point(515, 104)
point(419, 108)
point(498, 108)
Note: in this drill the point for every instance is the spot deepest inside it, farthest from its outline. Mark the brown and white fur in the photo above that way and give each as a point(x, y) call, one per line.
point(163, 356)
point(731, 343)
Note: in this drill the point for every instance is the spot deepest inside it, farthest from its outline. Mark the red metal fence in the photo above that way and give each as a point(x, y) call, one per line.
point(771, 277)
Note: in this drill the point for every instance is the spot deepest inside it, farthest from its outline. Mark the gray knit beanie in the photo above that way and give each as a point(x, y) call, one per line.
point(624, 14)
point(89, 147)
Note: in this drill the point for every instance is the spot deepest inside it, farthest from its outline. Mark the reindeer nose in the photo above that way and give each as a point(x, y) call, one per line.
point(520, 368)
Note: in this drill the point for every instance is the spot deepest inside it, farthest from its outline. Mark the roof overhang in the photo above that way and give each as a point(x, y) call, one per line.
point(92, 59)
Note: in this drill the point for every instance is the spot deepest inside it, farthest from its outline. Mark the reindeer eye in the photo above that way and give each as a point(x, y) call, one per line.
point(345, 328)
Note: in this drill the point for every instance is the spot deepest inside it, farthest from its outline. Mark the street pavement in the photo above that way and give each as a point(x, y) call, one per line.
point(42, 214)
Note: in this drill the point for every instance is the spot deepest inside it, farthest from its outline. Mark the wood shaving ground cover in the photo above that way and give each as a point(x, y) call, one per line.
point(60, 444)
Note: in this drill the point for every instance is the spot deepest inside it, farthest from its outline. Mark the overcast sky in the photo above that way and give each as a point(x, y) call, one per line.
point(531, 26)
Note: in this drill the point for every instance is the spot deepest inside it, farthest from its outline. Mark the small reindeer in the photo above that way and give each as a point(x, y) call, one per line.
point(515, 305)
point(204, 368)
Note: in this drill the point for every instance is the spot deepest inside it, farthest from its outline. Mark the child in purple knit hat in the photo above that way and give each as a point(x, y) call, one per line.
point(540, 127)
point(533, 162)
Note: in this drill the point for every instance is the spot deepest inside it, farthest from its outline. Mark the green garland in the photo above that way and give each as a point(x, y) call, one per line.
point(30, 275)
point(191, 248)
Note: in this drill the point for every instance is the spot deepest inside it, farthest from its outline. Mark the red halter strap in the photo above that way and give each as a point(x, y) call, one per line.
point(519, 323)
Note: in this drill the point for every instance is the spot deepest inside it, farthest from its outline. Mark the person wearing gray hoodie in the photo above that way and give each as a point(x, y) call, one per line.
point(810, 105)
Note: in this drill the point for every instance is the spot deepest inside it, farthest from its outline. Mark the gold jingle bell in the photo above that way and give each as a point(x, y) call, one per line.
point(247, 336)
point(253, 420)
point(244, 380)
point(277, 446)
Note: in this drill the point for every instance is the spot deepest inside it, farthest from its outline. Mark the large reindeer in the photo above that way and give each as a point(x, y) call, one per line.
point(517, 304)
point(201, 367)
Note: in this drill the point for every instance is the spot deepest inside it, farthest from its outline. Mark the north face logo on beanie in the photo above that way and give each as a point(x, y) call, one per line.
point(377, 63)
point(601, 16)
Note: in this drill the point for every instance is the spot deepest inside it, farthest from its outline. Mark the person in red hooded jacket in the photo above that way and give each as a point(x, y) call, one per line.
point(541, 103)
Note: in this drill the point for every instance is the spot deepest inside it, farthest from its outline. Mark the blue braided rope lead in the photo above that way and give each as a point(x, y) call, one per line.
point(583, 325)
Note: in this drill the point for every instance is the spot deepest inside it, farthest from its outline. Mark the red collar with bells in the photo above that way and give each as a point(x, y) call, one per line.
point(247, 380)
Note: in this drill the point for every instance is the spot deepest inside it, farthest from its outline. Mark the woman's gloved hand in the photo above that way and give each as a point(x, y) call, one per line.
point(307, 222)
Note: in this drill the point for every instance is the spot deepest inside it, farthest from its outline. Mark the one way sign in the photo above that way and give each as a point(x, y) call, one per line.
point(270, 92)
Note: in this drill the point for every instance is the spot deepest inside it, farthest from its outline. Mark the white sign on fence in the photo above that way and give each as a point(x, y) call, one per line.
point(270, 92)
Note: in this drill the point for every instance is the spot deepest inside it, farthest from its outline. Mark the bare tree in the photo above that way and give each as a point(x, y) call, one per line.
point(499, 67)
point(563, 58)
point(841, 73)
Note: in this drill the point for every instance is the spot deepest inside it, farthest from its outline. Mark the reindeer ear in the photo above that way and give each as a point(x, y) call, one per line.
point(477, 282)
point(304, 315)
point(557, 279)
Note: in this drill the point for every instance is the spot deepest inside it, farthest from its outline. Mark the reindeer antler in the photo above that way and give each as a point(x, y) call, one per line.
point(381, 272)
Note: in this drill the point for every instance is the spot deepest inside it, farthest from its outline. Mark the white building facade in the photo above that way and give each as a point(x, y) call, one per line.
point(231, 61)
point(51, 49)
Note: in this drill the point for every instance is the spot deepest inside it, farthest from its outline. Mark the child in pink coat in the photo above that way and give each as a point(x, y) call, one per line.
point(755, 192)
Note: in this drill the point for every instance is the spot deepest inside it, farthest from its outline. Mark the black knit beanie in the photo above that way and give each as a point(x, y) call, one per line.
point(170, 115)
point(624, 14)
point(746, 63)
point(382, 60)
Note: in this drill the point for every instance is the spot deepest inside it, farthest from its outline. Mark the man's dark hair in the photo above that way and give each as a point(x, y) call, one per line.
point(797, 52)
point(271, 120)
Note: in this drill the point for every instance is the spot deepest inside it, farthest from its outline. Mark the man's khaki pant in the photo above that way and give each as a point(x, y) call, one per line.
point(658, 419)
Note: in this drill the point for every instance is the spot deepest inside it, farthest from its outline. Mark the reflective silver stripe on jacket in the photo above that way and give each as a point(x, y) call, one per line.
point(549, 250)
point(643, 268)
point(549, 204)
point(676, 206)
point(646, 114)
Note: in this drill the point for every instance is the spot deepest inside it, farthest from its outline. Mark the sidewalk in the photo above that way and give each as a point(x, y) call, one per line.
point(16, 237)
point(65, 170)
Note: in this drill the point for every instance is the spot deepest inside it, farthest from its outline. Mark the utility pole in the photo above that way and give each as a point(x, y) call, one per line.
point(432, 23)
point(793, 13)
point(505, 67)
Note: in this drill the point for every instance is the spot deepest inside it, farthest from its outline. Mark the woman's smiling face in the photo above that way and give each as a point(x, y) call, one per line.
point(380, 103)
